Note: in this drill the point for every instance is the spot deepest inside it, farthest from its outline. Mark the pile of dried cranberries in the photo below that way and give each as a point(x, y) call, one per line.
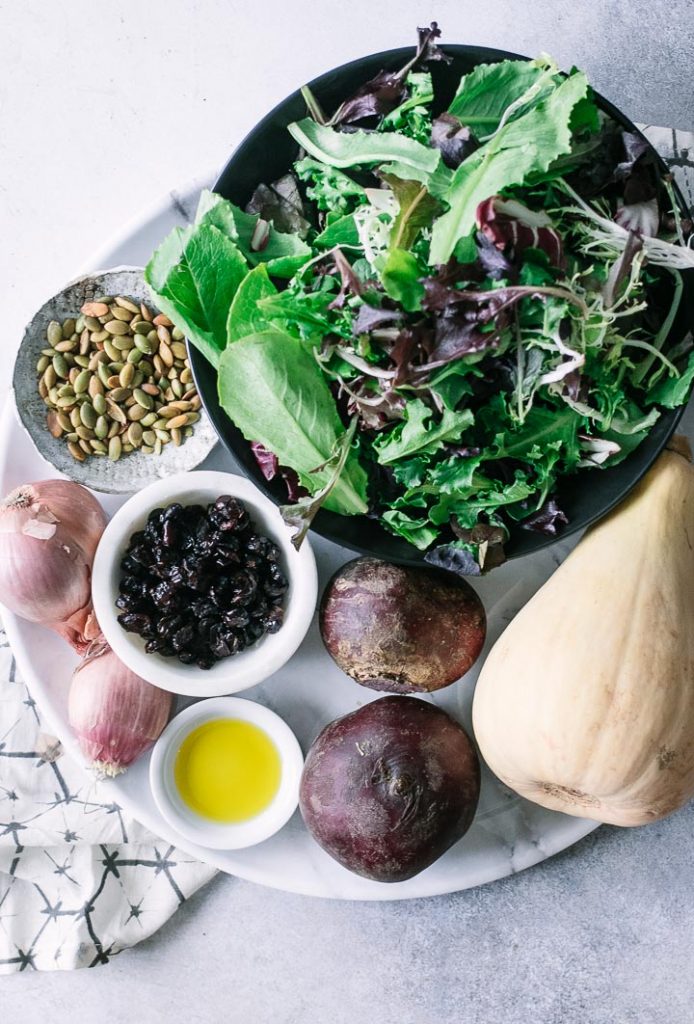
point(200, 584)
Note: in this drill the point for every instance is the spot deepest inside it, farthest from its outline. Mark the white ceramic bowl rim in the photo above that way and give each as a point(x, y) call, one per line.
point(215, 834)
point(241, 670)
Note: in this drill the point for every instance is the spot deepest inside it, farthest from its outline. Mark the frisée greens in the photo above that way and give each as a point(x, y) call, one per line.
point(436, 315)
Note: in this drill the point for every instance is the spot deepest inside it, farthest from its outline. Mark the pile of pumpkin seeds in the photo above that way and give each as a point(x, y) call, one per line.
point(116, 379)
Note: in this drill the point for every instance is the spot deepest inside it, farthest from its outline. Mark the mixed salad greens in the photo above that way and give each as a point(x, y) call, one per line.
point(435, 316)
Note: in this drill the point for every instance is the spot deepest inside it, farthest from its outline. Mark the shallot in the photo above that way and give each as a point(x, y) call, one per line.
point(114, 713)
point(49, 532)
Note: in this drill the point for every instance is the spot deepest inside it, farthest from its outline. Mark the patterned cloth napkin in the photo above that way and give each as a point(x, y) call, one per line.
point(79, 880)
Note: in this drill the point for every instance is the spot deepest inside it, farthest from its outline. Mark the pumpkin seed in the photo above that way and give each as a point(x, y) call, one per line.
point(124, 303)
point(136, 413)
point(192, 417)
point(115, 412)
point(104, 375)
point(177, 388)
point(99, 403)
point(94, 309)
point(42, 364)
point(53, 395)
point(119, 313)
point(119, 394)
point(92, 323)
point(151, 389)
point(111, 351)
point(98, 446)
point(99, 337)
point(54, 333)
point(96, 386)
point(186, 375)
point(163, 435)
point(72, 436)
point(177, 334)
point(101, 427)
point(64, 403)
point(188, 432)
point(146, 449)
point(84, 433)
point(43, 391)
point(113, 380)
point(178, 349)
point(82, 361)
point(180, 420)
point(60, 366)
point(69, 327)
point(127, 447)
point(53, 424)
point(134, 356)
point(115, 448)
point(114, 428)
point(176, 436)
point(82, 381)
point(165, 354)
point(88, 415)
point(126, 375)
point(149, 437)
point(75, 450)
point(65, 346)
point(143, 399)
point(123, 344)
point(79, 323)
point(158, 447)
point(149, 419)
point(84, 445)
point(135, 434)
point(116, 327)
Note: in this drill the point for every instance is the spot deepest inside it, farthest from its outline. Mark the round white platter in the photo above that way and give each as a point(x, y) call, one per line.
point(508, 833)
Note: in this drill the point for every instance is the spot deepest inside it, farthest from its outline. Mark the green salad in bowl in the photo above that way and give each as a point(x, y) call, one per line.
point(438, 316)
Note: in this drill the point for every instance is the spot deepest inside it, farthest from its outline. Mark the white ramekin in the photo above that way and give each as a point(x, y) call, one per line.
point(241, 670)
point(217, 835)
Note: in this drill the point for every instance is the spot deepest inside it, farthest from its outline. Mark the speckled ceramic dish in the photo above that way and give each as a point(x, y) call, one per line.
point(133, 470)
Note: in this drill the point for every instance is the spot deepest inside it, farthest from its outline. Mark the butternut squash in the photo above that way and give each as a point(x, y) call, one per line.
point(586, 702)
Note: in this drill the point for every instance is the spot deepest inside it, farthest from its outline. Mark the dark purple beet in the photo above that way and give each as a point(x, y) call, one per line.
point(400, 628)
point(387, 789)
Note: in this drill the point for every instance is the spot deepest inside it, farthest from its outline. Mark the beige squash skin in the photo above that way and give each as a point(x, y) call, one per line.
point(586, 702)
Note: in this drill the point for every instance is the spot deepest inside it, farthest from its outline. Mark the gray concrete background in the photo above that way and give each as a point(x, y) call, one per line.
point(103, 108)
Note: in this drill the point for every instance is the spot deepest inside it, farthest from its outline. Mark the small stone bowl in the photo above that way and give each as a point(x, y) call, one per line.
point(133, 470)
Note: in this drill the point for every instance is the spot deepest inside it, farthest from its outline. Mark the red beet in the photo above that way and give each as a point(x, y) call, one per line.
point(399, 628)
point(387, 789)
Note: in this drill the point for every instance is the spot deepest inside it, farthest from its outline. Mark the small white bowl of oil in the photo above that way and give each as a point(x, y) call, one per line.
point(225, 773)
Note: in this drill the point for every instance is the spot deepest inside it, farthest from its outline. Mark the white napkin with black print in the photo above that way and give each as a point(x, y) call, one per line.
point(79, 879)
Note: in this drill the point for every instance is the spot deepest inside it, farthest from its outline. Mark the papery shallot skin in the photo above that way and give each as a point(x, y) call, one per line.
point(49, 532)
point(115, 714)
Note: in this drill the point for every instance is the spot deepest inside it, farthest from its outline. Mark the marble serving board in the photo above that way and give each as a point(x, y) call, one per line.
point(508, 833)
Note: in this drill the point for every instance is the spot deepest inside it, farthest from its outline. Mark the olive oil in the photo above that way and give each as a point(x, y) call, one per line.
point(227, 770)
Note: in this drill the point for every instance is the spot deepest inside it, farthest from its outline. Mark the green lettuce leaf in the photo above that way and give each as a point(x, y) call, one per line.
point(284, 253)
point(420, 433)
point(522, 147)
point(194, 276)
point(674, 391)
point(401, 279)
point(245, 316)
point(350, 149)
point(486, 92)
point(273, 390)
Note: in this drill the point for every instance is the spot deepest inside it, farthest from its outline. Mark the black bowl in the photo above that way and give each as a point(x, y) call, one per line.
point(267, 153)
